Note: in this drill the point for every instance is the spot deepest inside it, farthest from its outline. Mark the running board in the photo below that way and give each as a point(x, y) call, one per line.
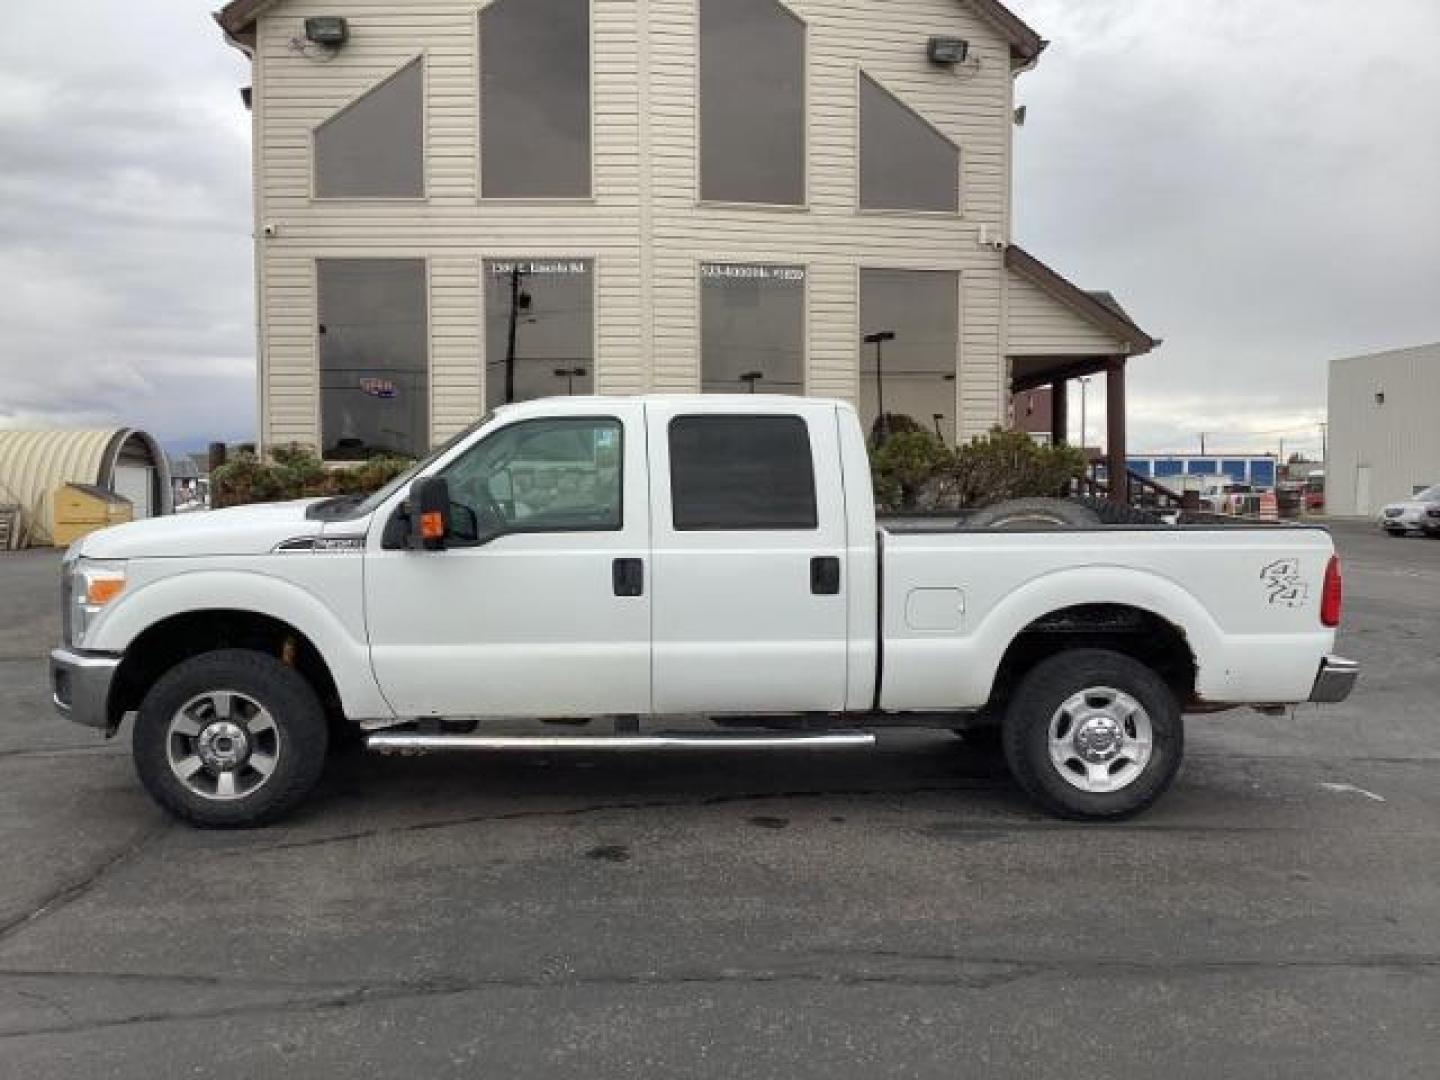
point(416, 742)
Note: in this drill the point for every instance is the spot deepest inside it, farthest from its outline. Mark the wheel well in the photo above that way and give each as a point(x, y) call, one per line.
point(176, 639)
point(1154, 641)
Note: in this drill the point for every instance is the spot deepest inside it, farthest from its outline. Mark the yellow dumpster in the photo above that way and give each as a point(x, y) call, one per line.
point(80, 509)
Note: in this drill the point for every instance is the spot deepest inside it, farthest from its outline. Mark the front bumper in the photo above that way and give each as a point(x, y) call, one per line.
point(1335, 681)
point(80, 685)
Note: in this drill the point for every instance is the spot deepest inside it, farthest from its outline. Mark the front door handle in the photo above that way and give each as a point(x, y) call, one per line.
point(628, 577)
point(825, 575)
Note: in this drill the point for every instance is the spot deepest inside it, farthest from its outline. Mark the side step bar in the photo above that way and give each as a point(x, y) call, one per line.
point(416, 742)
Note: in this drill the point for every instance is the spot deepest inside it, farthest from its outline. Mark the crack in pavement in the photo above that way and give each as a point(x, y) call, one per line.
point(66, 895)
point(630, 805)
point(968, 973)
point(99, 750)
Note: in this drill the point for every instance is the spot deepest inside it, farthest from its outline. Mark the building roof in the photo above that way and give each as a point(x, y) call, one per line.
point(1417, 353)
point(1099, 308)
point(237, 19)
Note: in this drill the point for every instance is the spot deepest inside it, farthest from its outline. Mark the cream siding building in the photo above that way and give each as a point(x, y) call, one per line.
point(607, 282)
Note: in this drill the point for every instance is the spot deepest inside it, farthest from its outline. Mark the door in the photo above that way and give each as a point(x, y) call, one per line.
point(549, 614)
point(749, 558)
point(135, 482)
point(1362, 489)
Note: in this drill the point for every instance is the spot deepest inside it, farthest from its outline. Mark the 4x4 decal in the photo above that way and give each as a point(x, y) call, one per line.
point(1283, 583)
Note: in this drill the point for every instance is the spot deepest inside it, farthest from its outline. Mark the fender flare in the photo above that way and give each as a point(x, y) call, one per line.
point(258, 594)
point(1090, 585)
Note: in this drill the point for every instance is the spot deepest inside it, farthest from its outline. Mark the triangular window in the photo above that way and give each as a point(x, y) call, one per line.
point(905, 163)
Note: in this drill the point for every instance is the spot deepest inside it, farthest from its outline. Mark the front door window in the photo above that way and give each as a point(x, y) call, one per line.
point(561, 475)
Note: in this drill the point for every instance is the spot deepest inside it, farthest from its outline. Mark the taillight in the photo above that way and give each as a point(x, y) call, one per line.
point(1332, 597)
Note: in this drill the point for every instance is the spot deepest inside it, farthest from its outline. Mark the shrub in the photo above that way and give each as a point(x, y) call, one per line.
point(906, 466)
point(916, 471)
point(294, 472)
point(1011, 465)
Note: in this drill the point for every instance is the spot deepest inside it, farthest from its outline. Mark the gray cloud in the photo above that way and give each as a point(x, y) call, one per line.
point(125, 259)
point(1260, 184)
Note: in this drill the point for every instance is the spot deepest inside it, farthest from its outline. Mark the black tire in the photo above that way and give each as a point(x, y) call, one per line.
point(1038, 700)
point(1111, 513)
point(1034, 514)
point(297, 721)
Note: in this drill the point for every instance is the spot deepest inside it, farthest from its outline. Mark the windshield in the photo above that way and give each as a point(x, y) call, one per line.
point(354, 506)
point(1430, 494)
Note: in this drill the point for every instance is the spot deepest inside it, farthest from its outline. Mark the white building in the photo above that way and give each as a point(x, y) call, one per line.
point(1384, 433)
point(462, 202)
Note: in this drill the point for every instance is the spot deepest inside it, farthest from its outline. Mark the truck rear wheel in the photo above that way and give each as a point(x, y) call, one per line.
point(1093, 734)
point(229, 739)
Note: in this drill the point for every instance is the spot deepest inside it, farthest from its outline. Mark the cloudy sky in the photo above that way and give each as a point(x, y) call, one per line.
point(1259, 182)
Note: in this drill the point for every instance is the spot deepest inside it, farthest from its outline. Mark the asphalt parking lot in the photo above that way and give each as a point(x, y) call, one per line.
point(904, 913)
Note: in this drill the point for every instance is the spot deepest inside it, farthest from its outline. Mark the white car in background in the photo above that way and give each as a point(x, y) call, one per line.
point(1419, 513)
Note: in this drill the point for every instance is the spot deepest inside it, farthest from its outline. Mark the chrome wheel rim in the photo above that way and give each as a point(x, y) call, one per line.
point(1101, 739)
point(223, 745)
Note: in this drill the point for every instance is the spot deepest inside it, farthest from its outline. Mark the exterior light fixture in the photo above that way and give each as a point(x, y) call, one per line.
point(1380, 397)
point(331, 31)
point(948, 50)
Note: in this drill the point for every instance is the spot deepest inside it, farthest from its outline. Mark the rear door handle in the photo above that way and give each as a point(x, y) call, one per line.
point(628, 577)
point(825, 575)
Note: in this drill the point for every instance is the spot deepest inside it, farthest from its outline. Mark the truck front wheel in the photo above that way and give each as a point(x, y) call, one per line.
point(1093, 734)
point(230, 739)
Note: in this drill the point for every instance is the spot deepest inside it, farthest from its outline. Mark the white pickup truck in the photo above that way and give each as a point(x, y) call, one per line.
point(673, 574)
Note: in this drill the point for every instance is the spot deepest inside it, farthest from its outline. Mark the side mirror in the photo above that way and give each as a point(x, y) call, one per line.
point(429, 513)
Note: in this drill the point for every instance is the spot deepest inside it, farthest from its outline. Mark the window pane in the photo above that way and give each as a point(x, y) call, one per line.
point(922, 309)
point(539, 327)
point(374, 148)
point(374, 371)
point(741, 472)
point(544, 476)
point(535, 99)
point(752, 102)
point(905, 164)
point(752, 323)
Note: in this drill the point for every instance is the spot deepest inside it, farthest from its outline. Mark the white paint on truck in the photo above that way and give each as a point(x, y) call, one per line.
point(646, 608)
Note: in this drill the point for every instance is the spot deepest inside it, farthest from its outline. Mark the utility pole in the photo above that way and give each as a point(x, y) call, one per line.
point(1202, 444)
point(510, 338)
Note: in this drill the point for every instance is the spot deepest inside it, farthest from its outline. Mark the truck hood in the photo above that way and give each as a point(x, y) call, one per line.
point(238, 530)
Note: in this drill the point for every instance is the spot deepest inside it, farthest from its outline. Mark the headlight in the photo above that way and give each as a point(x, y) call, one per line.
point(94, 584)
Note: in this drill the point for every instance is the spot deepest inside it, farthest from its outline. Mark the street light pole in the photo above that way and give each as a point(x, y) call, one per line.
point(878, 339)
point(570, 375)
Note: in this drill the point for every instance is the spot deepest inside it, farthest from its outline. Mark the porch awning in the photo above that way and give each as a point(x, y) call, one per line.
point(1057, 330)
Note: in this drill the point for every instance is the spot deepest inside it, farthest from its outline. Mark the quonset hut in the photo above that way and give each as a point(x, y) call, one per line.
point(34, 464)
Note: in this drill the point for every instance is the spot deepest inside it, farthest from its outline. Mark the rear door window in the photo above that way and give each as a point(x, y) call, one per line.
point(741, 473)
